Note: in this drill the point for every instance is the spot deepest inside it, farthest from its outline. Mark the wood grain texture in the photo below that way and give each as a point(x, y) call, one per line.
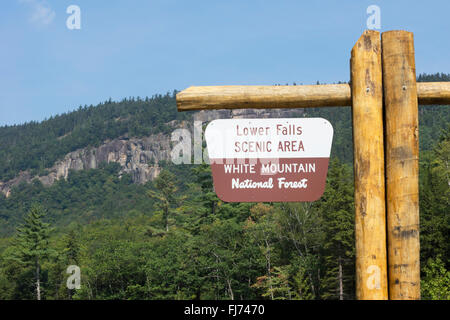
point(238, 97)
point(402, 164)
point(368, 145)
point(265, 97)
point(437, 93)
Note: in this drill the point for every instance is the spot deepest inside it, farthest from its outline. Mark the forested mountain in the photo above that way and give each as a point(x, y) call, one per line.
point(172, 238)
point(37, 145)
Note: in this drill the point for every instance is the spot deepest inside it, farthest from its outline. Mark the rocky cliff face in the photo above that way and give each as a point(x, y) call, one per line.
point(137, 156)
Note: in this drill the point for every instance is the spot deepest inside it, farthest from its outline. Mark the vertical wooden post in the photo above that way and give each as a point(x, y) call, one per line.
point(370, 218)
point(402, 164)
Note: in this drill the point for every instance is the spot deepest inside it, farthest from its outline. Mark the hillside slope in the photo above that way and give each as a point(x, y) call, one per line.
point(34, 149)
point(172, 238)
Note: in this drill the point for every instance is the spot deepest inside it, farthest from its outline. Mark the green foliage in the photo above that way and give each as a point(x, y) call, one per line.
point(173, 238)
point(436, 283)
point(164, 195)
point(36, 146)
point(248, 251)
point(435, 200)
point(276, 285)
point(337, 208)
point(32, 237)
point(30, 249)
point(85, 196)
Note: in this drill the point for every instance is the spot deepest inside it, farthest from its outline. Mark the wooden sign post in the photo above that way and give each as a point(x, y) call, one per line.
point(402, 164)
point(386, 152)
point(368, 154)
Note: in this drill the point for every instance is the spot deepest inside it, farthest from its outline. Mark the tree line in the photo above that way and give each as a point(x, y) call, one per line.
point(172, 238)
point(188, 244)
point(36, 146)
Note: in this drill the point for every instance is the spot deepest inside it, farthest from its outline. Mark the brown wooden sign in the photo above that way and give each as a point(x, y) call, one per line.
point(269, 160)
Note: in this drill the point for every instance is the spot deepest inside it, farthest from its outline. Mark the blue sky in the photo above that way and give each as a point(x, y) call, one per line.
point(139, 48)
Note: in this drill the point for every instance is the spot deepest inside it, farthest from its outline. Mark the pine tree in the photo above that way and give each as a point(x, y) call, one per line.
point(32, 242)
point(166, 187)
point(435, 200)
point(207, 197)
point(71, 254)
point(338, 216)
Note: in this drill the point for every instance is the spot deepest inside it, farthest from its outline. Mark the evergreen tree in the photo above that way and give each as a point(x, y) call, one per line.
point(166, 187)
point(435, 201)
point(207, 197)
point(32, 244)
point(337, 210)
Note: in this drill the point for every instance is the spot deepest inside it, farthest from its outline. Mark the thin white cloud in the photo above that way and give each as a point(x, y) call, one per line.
point(41, 12)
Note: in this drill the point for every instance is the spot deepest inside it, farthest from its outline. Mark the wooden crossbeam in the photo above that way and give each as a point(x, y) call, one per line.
point(305, 96)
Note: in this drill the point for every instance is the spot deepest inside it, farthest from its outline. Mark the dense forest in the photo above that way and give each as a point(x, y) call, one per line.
point(172, 238)
point(37, 145)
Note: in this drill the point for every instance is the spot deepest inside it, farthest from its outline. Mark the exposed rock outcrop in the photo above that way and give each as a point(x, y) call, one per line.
point(137, 156)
